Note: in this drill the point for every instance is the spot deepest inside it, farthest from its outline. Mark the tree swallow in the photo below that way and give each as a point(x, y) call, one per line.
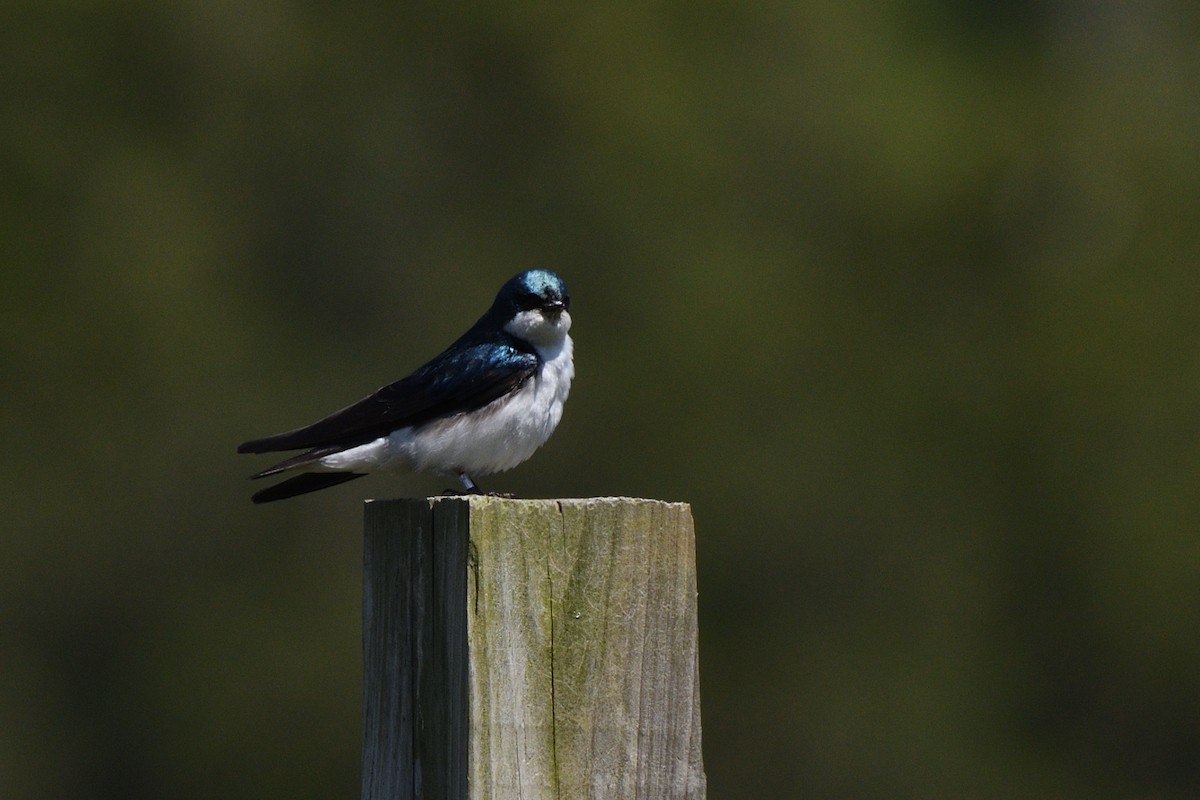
point(484, 405)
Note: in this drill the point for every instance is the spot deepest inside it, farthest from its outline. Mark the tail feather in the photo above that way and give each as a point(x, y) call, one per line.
point(296, 461)
point(303, 483)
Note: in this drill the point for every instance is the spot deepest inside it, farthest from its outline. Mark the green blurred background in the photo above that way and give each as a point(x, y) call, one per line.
point(901, 296)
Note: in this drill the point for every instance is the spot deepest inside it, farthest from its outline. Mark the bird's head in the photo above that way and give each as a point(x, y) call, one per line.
point(536, 306)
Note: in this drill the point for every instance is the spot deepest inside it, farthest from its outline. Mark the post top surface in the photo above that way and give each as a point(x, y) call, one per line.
point(479, 499)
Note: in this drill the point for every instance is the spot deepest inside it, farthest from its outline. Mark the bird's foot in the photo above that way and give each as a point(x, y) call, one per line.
point(451, 492)
point(472, 488)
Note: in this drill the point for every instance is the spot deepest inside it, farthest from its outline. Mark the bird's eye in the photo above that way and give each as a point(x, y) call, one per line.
point(527, 302)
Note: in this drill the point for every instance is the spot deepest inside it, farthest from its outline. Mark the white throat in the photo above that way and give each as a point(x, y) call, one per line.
point(544, 333)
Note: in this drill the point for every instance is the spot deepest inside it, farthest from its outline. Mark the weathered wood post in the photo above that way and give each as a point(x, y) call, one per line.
point(530, 649)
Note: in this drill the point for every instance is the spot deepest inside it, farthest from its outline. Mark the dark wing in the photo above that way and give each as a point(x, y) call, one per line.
point(460, 379)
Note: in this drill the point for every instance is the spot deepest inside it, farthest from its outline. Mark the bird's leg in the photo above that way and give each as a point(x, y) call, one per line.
point(469, 487)
point(473, 488)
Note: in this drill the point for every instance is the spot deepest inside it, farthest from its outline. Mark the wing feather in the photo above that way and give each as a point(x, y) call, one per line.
point(460, 379)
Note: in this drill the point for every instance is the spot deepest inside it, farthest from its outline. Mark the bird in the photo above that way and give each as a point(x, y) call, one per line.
point(481, 406)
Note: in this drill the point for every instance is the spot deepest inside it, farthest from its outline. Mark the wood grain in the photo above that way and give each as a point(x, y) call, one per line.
point(530, 649)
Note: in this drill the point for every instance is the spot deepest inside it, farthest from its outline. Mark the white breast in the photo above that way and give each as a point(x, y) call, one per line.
point(497, 437)
point(500, 435)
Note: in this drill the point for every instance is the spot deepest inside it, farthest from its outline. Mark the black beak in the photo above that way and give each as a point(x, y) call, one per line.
point(553, 309)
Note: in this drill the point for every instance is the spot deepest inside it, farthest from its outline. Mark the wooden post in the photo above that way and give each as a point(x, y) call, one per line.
point(533, 649)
